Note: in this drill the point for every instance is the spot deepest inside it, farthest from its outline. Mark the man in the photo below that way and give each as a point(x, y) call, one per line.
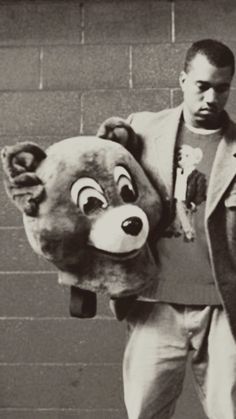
point(192, 306)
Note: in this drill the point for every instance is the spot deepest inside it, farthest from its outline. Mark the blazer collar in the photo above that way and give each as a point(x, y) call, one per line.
point(165, 147)
point(223, 169)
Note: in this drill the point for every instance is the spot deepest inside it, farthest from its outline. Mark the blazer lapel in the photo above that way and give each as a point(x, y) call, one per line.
point(223, 172)
point(224, 163)
point(165, 147)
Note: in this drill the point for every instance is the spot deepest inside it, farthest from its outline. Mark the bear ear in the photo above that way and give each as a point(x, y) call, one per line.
point(22, 185)
point(118, 130)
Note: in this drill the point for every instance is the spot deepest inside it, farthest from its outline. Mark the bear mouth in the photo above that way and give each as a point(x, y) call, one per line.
point(117, 256)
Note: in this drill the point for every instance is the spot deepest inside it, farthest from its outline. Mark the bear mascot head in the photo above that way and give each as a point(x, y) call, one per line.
point(88, 208)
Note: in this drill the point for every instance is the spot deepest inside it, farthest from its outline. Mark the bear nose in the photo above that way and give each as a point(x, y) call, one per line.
point(132, 226)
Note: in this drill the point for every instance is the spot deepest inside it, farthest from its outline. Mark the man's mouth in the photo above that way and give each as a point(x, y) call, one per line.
point(209, 111)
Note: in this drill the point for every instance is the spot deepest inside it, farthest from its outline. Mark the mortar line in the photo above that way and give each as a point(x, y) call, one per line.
point(59, 364)
point(27, 272)
point(41, 69)
point(171, 98)
point(12, 228)
point(82, 39)
point(172, 22)
point(131, 67)
point(52, 319)
point(56, 409)
point(81, 114)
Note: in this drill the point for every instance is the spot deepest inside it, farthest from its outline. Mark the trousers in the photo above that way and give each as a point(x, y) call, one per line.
point(161, 337)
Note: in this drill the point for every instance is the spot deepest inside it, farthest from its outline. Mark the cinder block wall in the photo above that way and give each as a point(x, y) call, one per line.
point(64, 67)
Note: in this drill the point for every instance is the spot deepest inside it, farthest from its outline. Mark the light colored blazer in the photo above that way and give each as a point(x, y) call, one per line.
point(158, 133)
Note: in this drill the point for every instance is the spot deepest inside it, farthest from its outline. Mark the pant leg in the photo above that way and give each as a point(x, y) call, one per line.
point(214, 367)
point(154, 361)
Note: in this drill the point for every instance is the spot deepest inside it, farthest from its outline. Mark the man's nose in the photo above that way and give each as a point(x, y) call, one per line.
point(211, 95)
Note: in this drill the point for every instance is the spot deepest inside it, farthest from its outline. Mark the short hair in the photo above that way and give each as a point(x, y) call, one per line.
point(217, 53)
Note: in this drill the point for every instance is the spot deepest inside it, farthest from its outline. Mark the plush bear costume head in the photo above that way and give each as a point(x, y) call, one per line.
point(89, 209)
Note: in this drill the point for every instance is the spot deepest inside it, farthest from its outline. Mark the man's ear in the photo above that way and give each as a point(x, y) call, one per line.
point(182, 78)
point(22, 185)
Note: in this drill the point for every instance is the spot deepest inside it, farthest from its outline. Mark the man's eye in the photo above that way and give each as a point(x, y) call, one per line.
point(202, 87)
point(222, 88)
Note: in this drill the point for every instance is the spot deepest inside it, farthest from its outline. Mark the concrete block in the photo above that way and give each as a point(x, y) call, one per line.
point(74, 386)
point(38, 295)
point(17, 255)
point(19, 68)
point(127, 22)
point(9, 214)
point(33, 295)
point(102, 104)
point(177, 97)
point(205, 19)
point(37, 23)
point(61, 341)
point(231, 105)
point(86, 67)
point(40, 113)
point(43, 141)
point(157, 66)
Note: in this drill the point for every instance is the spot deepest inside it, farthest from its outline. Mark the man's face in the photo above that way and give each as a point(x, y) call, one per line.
point(206, 90)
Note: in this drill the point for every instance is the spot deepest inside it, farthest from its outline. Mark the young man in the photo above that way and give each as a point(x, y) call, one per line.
point(192, 306)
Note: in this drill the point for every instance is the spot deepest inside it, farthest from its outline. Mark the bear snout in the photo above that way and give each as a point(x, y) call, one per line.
point(120, 230)
point(132, 226)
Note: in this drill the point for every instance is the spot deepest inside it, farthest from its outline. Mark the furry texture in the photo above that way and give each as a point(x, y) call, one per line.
point(107, 184)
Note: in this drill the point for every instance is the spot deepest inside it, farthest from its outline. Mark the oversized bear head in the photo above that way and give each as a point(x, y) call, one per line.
point(89, 209)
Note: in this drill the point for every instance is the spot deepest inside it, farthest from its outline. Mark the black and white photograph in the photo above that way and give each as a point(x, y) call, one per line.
point(118, 209)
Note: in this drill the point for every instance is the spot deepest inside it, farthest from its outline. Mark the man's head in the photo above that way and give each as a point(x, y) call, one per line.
point(205, 81)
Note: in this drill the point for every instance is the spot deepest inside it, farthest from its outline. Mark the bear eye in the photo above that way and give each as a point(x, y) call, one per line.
point(90, 200)
point(126, 190)
point(87, 194)
point(125, 185)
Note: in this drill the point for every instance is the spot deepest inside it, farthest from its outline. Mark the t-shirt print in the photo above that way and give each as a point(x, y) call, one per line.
point(190, 191)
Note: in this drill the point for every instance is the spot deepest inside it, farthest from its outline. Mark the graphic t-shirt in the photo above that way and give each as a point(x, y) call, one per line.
point(185, 272)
